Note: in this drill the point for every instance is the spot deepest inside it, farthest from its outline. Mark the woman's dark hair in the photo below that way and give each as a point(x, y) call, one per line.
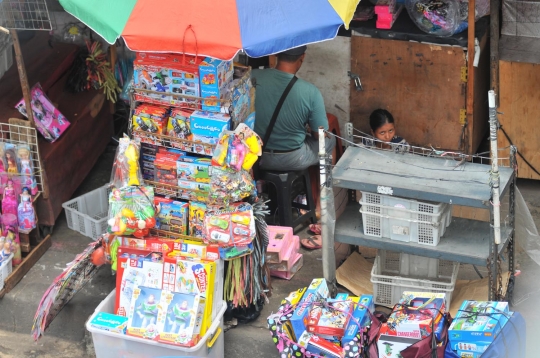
point(379, 118)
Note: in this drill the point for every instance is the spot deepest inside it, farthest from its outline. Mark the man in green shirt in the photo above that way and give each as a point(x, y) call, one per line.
point(293, 144)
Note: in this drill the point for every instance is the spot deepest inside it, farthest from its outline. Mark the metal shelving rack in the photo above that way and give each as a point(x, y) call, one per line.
point(426, 178)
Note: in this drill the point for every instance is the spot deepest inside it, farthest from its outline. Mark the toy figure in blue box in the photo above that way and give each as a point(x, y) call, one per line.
point(179, 316)
point(148, 311)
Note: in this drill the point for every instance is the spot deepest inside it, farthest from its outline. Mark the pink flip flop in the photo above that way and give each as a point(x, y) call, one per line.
point(312, 243)
point(314, 229)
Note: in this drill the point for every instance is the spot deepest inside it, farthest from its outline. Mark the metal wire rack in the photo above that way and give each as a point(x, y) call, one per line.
point(174, 191)
point(365, 140)
point(25, 15)
point(173, 235)
point(173, 142)
point(18, 135)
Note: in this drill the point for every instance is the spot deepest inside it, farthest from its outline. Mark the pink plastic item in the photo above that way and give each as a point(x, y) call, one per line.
point(287, 275)
point(387, 14)
point(290, 258)
point(280, 238)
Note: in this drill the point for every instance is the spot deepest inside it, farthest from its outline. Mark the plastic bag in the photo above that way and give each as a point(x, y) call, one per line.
point(126, 170)
point(237, 150)
point(444, 17)
point(131, 211)
point(228, 186)
point(234, 226)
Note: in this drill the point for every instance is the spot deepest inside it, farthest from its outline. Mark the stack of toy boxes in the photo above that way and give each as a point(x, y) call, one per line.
point(411, 320)
point(166, 290)
point(167, 73)
point(387, 12)
point(317, 290)
point(477, 324)
point(215, 79)
point(282, 254)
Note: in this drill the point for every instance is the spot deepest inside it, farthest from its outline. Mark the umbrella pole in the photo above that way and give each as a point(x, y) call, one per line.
point(327, 207)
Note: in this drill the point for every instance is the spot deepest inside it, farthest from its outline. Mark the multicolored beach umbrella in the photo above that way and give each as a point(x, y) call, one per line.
point(215, 28)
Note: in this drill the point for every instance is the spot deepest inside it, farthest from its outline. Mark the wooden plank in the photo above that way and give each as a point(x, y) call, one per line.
point(466, 212)
point(481, 87)
point(420, 84)
point(28, 262)
point(520, 105)
point(519, 49)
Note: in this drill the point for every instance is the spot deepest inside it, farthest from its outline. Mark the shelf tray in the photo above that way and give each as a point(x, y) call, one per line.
point(417, 177)
point(465, 241)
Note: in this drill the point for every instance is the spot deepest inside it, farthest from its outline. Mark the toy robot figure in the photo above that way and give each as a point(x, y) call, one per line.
point(148, 311)
point(179, 317)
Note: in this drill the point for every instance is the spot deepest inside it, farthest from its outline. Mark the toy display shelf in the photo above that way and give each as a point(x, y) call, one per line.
point(173, 235)
point(173, 142)
point(177, 192)
point(430, 179)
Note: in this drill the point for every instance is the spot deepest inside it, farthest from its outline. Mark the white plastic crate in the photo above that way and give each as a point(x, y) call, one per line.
point(6, 53)
point(88, 213)
point(402, 264)
point(5, 270)
point(403, 219)
point(113, 345)
point(389, 287)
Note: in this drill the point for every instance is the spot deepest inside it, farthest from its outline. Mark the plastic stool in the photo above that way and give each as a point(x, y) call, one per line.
point(287, 189)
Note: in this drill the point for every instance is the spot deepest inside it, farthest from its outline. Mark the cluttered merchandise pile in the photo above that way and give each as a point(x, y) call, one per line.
point(311, 324)
point(186, 235)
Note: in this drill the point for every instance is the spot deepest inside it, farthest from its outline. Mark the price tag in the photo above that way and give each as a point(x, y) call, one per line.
point(385, 190)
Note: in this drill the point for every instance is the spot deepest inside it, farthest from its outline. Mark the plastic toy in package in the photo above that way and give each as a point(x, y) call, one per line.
point(131, 211)
point(229, 186)
point(126, 170)
point(234, 226)
point(237, 150)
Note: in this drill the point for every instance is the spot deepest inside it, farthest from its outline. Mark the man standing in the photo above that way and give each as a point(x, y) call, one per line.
point(293, 142)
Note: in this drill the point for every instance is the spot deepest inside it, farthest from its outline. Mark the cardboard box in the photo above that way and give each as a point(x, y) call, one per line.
point(165, 168)
point(478, 321)
point(178, 125)
point(316, 290)
point(364, 304)
point(468, 354)
point(109, 322)
point(194, 169)
point(197, 213)
point(215, 77)
point(172, 215)
point(209, 124)
point(331, 321)
point(298, 262)
point(320, 346)
point(294, 297)
point(204, 149)
point(194, 186)
point(391, 346)
point(145, 312)
point(178, 323)
point(413, 317)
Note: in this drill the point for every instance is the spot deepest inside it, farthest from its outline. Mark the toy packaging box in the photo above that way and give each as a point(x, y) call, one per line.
point(391, 346)
point(109, 322)
point(150, 118)
point(320, 346)
point(241, 100)
point(179, 322)
point(136, 267)
point(331, 321)
point(215, 76)
point(165, 169)
point(364, 304)
point(477, 322)
point(49, 121)
point(294, 297)
point(316, 290)
point(208, 124)
point(178, 125)
point(201, 143)
point(194, 186)
point(193, 276)
point(290, 258)
point(145, 312)
point(280, 238)
point(468, 354)
point(197, 213)
point(298, 263)
point(194, 169)
point(171, 215)
point(415, 314)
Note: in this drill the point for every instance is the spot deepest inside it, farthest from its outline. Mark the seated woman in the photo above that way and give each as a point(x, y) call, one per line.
point(384, 132)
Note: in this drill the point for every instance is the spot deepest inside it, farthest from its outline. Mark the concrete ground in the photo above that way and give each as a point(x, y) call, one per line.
point(67, 336)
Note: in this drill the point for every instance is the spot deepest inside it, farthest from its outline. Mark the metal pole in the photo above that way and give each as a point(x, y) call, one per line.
point(327, 207)
point(493, 127)
point(494, 44)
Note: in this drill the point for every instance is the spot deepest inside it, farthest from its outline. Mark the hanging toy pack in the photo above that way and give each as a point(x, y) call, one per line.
point(234, 226)
point(126, 171)
point(131, 211)
point(237, 150)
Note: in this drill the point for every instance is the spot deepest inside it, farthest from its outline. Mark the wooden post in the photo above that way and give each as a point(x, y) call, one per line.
point(22, 77)
point(113, 57)
point(494, 47)
point(470, 70)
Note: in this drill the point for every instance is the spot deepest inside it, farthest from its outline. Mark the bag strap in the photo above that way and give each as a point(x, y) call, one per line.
point(276, 111)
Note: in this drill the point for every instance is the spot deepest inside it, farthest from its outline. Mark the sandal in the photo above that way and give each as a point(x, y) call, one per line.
point(315, 229)
point(312, 243)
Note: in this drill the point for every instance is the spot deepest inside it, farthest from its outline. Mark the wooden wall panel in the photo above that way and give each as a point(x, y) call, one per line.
point(520, 105)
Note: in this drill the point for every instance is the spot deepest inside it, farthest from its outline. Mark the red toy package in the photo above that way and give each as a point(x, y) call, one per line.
point(330, 321)
point(234, 226)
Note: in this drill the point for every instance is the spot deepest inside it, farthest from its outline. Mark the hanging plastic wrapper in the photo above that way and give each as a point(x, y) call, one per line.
point(126, 170)
point(238, 150)
point(233, 226)
point(228, 186)
point(444, 17)
point(131, 211)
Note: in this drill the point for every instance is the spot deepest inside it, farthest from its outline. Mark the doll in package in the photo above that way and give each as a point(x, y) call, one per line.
point(48, 119)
